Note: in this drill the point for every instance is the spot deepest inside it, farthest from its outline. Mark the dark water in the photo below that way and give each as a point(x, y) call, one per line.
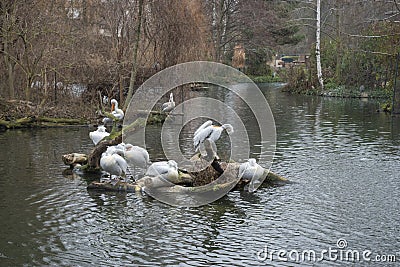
point(343, 157)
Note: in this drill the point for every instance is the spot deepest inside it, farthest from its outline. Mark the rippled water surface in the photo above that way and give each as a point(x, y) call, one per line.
point(343, 157)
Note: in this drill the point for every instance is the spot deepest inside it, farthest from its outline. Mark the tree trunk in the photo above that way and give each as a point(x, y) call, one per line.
point(318, 45)
point(135, 53)
point(338, 71)
point(396, 88)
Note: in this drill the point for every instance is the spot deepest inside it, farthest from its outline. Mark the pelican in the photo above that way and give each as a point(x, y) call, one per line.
point(167, 170)
point(99, 134)
point(136, 155)
point(105, 100)
point(112, 162)
point(170, 105)
point(251, 171)
point(211, 132)
point(115, 111)
point(204, 125)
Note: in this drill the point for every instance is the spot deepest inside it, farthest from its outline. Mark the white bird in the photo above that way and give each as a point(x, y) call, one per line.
point(115, 111)
point(170, 105)
point(211, 132)
point(167, 170)
point(136, 155)
point(251, 171)
point(99, 134)
point(204, 125)
point(113, 163)
point(105, 100)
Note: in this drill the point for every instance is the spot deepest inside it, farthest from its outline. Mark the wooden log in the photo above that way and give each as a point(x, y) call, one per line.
point(28, 122)
point(155, 184)
point(207, 180)
point(73, 158)
point(118, 187)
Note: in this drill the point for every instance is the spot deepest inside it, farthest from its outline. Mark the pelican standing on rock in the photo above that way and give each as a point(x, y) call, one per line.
point(99, 134)
point(211, 132)
point(115, 111)
point(170, 105)
point(112, 162)
point(167, 170)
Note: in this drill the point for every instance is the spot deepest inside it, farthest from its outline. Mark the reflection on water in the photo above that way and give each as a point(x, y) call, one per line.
point(343, 157)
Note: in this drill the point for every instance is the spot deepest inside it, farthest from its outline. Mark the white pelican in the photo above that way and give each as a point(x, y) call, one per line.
point(167, 170)
point(170, 105)
point(115, 111)
point(136, 155)
point(204, 125)
point(251, 171)
point(211, 132)
point(113, 163)
point(105, 100)
point(99, 134)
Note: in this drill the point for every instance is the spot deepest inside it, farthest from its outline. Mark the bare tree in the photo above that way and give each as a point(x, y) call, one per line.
point(318, 44)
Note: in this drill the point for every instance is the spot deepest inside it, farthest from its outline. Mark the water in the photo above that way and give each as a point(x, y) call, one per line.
point(343, 157)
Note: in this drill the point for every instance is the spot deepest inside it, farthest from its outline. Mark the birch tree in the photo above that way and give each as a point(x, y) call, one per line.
point(318, 45)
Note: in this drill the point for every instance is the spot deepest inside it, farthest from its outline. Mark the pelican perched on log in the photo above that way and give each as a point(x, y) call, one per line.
point(211, 132)
point(167, 170)
point(99, 134)
point(112, 162)
point(170, 105)
point(115, 111)
point(251, 172)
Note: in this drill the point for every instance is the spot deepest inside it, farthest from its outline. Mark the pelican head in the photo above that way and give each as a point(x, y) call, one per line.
point(101, 128)
point(173, 164)
point(114, 104)
point(115, 150)
point(252, 162)
point(228, 128)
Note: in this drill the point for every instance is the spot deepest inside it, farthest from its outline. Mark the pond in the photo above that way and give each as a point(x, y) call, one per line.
point(342, 156)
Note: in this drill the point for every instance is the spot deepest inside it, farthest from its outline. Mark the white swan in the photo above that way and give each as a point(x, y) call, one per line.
point(115, 111)
point(167, 170)
point(211, 132)
point(99, 134)
point(170, 105)
point(112, 162)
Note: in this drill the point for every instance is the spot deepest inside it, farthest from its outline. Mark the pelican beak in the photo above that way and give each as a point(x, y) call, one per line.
point(112, 107)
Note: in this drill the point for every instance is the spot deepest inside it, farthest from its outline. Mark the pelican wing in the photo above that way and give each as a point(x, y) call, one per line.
point(243, 168)
point(165, 105)
point(158, 168)
point(121, 162)
point(168, 106)
point(202, 135)
point(118, 113)
point(203, 126)
point(97, 136)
